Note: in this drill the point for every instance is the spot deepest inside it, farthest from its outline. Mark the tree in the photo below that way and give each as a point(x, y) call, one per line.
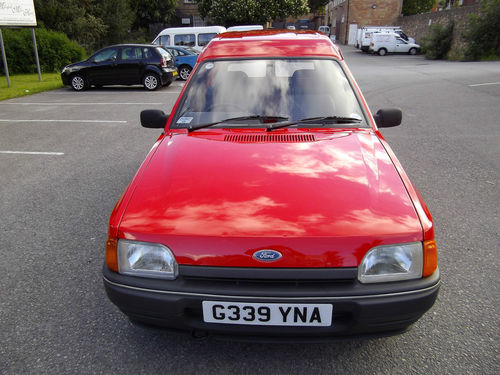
point(95, 23)
point(118, 16)
point(153, 11)
point(315, 5)
point(411, 7)
point(238, 12)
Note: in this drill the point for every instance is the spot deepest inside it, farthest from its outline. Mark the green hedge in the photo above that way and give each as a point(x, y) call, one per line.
point(55, 50)
point(482, 33)
point(437, 43)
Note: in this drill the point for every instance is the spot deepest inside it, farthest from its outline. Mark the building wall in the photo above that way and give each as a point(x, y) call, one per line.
point(342, 13)
point(187, 11)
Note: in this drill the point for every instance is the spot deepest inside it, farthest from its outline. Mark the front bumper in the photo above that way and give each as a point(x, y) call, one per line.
point(358, 309)
point(65, 79)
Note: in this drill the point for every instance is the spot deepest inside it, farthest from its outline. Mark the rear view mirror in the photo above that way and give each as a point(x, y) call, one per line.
point(388, 117)
point(153, 118)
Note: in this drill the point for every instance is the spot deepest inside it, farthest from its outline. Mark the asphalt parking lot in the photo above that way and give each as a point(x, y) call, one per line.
point(65, 158)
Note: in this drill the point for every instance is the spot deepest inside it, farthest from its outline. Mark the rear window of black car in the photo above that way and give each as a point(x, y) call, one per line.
point(164, 53)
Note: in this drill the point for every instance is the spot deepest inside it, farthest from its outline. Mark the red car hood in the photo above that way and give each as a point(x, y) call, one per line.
point(320, 203)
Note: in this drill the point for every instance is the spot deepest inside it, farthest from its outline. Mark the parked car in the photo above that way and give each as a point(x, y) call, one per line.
point(195, 37)
point(124, 64)
point(271, 205)
point(384, 43)
point(184, 60)
point(365, 34)
point(324, 29)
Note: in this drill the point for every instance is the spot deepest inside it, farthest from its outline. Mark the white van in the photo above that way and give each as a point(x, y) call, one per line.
point(384, 43)
point(195, 37)
point(245, 28)
point(364, 35)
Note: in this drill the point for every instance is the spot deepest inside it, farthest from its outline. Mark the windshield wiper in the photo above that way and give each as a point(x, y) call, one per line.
point(322, 120)
point(263, 119)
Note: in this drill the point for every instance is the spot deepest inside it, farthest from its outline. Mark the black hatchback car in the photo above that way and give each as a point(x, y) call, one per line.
point(125, 64)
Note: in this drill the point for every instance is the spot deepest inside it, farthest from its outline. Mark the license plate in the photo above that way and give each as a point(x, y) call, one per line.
point(174, 73)
point(268, 314)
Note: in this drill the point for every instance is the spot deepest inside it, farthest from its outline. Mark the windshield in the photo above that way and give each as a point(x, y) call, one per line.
point(271, 90)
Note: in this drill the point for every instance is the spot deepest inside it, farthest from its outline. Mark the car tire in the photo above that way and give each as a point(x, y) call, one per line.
point(382, 52)
point(78, 82)
point(184, 72)
point(151, 81)
point(412, 51)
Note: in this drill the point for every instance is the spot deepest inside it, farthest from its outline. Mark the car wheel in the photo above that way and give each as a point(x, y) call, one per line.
point(151, 81)
point(412, 51)
point(184, 72)
point(78, 82)
point(382, 52)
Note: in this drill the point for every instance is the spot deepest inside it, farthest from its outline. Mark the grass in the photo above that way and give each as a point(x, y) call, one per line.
point(27, 84)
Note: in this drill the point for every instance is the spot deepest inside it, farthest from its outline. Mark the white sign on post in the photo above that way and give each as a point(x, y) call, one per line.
point(17, 13)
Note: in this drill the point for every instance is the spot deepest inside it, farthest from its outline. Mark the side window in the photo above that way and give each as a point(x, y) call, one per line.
point(165, 40)
point(173, 52)
point(203, 39)
point(184, 40)
point(146, 53)
point(108, 54)
point(131, 53)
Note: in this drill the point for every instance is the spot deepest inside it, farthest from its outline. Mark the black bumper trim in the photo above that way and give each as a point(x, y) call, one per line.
point(303, 298)
point(270, 273)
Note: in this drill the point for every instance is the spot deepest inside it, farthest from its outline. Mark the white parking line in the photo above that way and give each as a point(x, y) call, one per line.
point(81, 103)
point(485, 84)
point(32, 153)
point(80, 121)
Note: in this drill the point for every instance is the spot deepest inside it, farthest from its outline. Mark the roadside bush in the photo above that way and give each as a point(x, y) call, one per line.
point(55, 50)
point(481, 35)
point(437, 43)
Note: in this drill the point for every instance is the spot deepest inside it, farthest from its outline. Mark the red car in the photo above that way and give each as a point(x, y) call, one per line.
point(271, 206)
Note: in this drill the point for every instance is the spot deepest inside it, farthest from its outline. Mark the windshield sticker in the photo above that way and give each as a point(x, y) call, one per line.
point(184, 120)
point(209, 66)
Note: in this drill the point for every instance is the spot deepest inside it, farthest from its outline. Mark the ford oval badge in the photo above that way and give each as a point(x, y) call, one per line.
point(267, 255)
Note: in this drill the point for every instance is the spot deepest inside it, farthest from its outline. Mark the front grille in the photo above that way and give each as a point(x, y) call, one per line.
point(289, 283)
point(270, 138)
point(269, 278)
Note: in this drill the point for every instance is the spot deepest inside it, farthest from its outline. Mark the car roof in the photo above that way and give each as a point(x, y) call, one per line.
point(132, 45)
point(270, 43)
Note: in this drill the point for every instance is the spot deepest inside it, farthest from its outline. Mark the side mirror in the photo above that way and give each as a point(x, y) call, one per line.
point(153, 118)
point(388, 117)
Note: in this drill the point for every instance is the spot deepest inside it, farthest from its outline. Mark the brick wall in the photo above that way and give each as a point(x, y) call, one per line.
point(417, 26)
point(362, 13)
point(385, 13)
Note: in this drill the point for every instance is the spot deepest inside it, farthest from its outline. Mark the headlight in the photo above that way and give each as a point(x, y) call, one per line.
point(65, 69)
point(392, 263)
point(146, 260)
